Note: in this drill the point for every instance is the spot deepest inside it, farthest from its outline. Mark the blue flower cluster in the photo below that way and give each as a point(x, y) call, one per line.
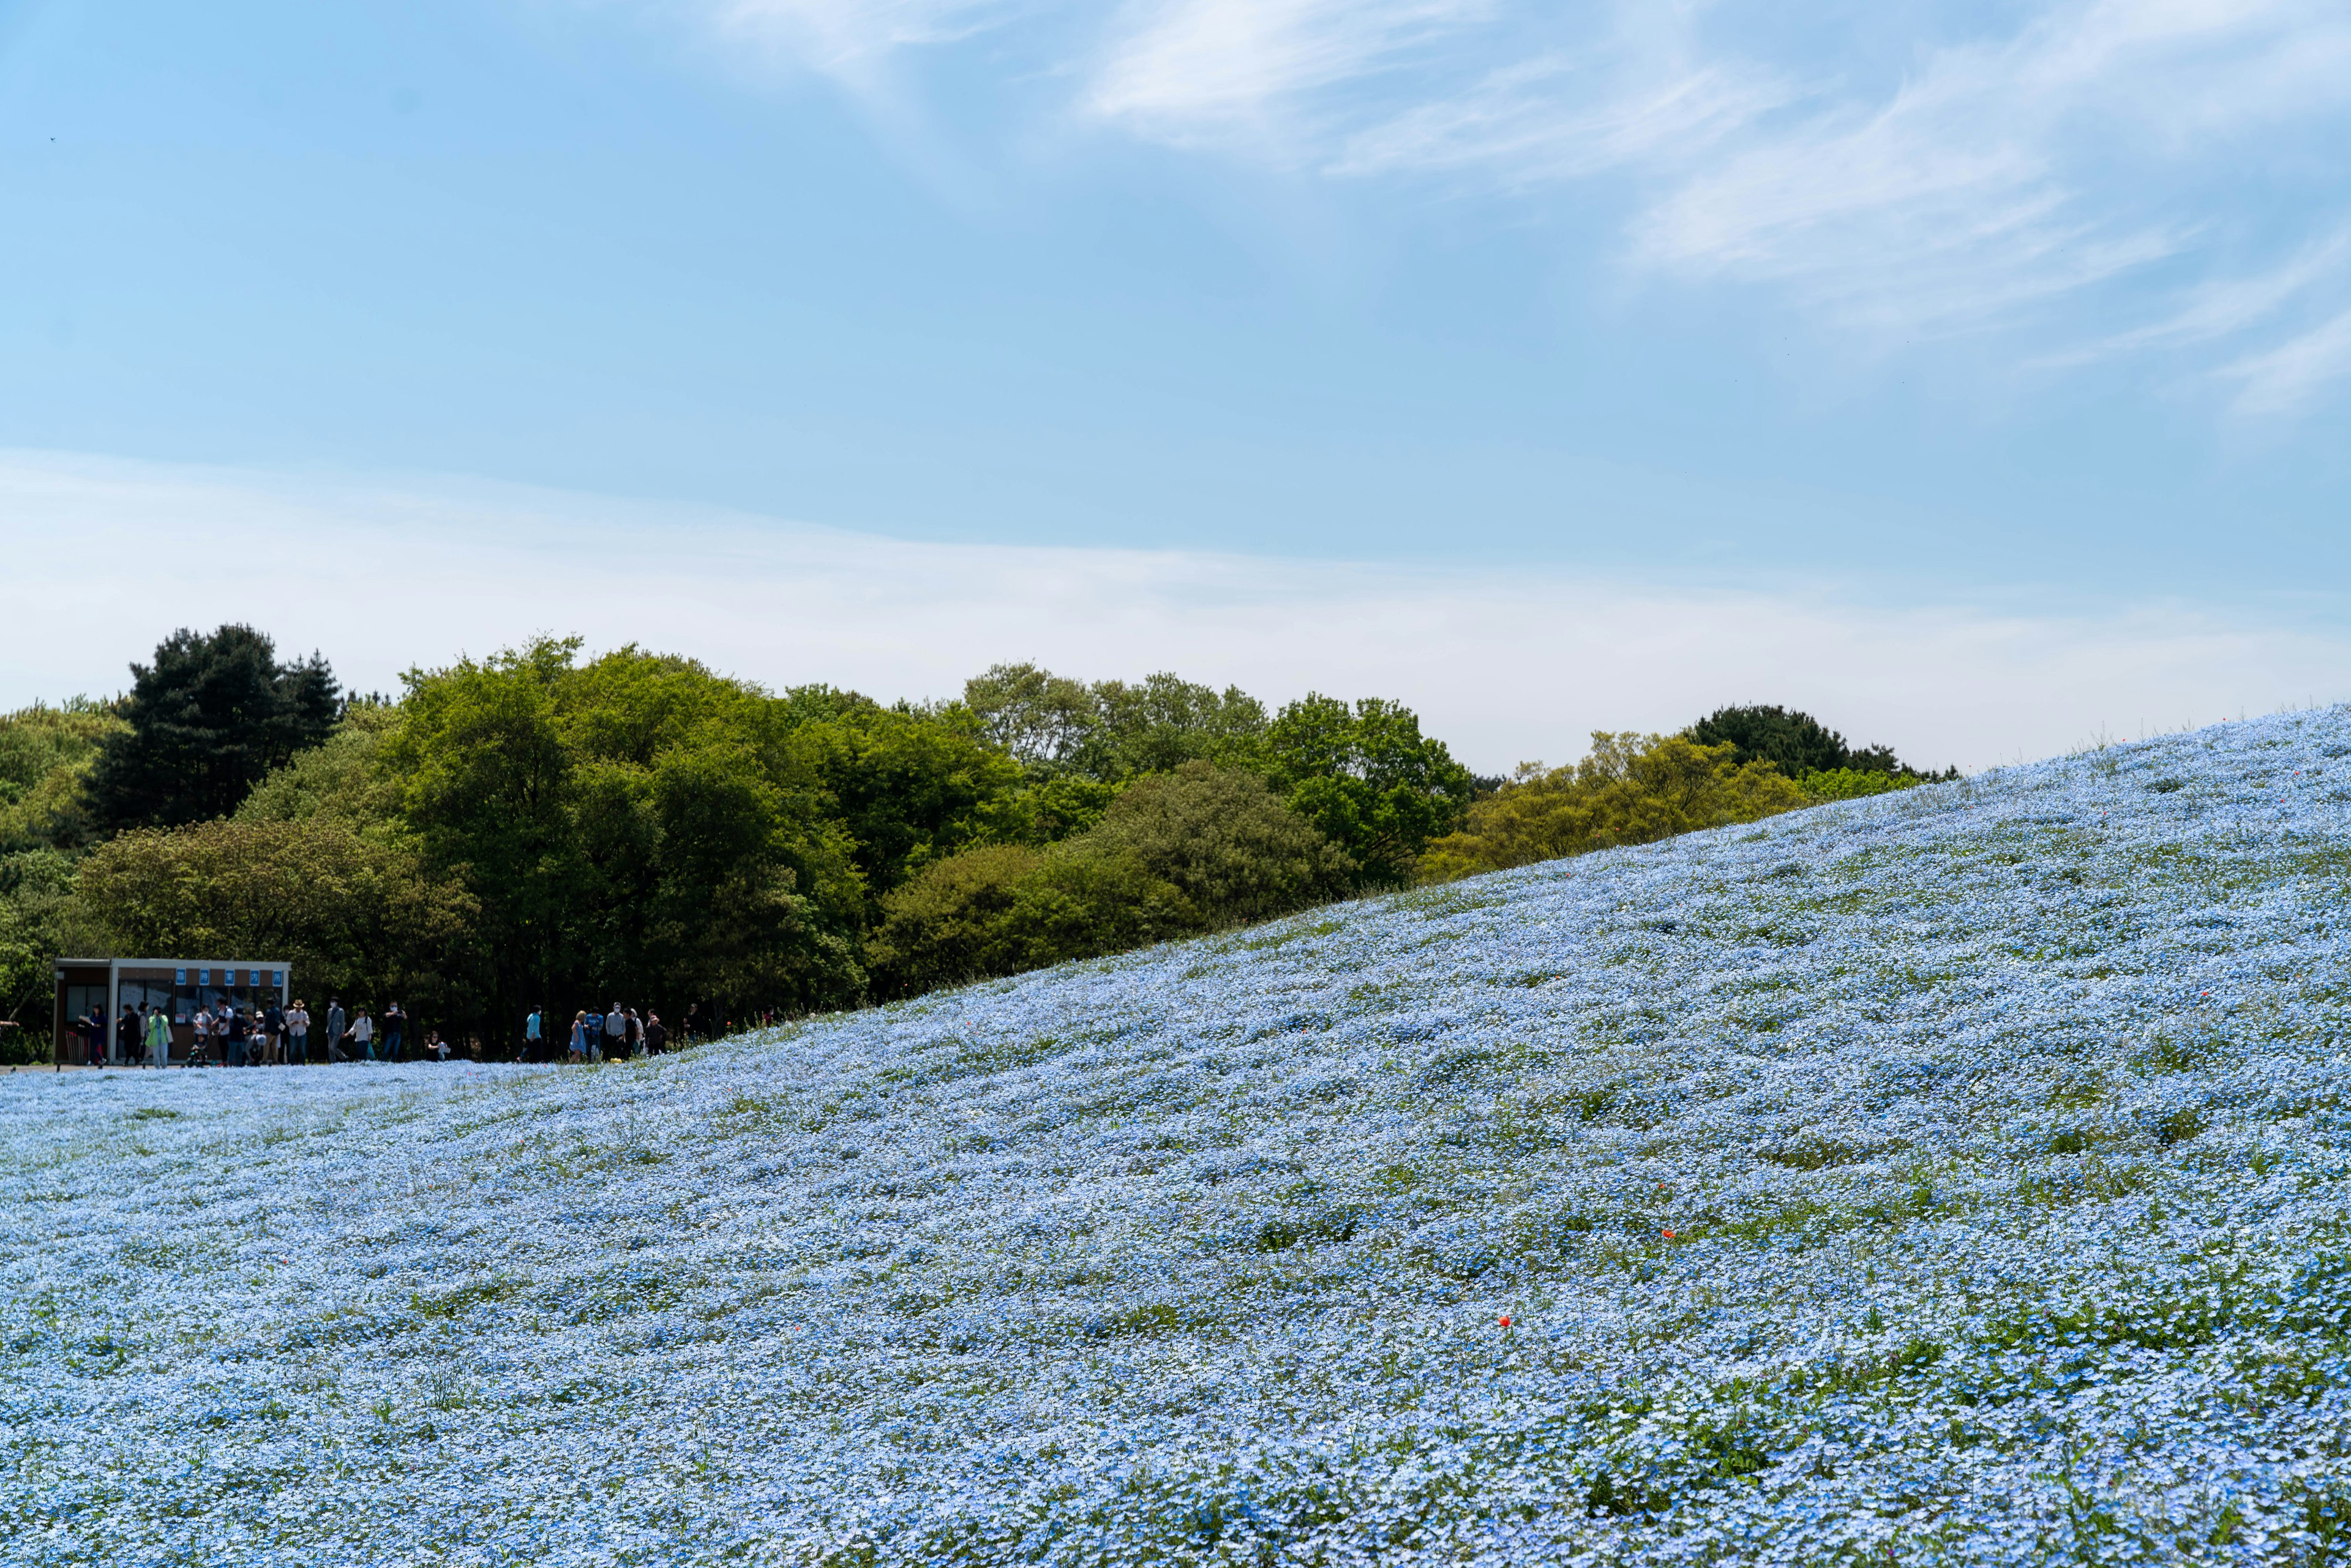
point(1957, 1175)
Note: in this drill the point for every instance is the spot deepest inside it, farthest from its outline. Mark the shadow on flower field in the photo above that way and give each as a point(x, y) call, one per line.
point(1953, 1175)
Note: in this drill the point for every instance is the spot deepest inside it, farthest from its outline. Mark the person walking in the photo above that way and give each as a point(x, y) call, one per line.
point(395, 1033)
point(200, 1043)
point(616, 1031)
point(530, 1037)
point(636, 1036)
point(364, 1035)
point(239, 1031)
point(335, 1032)
point(656, 1037)
point(297, 1034)
point(579, 1052)
point(273, 1030)
point(125, 1036)
point(595, 1035)
point(159, 1038)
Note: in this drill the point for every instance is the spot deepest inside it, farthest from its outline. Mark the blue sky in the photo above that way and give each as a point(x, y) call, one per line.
point(1990, 310)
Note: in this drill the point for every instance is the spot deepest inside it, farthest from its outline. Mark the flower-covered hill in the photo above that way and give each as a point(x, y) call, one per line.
point(1955, 1176)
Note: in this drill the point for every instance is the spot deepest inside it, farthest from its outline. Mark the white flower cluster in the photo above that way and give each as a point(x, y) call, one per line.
point(1953, 1176)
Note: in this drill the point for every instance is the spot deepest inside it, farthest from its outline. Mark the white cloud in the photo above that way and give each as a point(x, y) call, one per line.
point(1993, 175)
point(850, 39)
point(2225, 307)
point(1504, 664)
point(1527, 124)
point(1194, 71)
point(1986, 179)
point(2284, 379)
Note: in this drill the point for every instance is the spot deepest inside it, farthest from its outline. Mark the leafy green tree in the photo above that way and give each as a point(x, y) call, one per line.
point(39, 922)
point(1162, 722)
point(1111, 731)
point(1042, 721)
point(911, 785)
point(350, 914)
point(1367, 780)
point(1631, 789)
point(636, 825)
point(1224, 839)
point(1176, 854)
point(1007, 908)
point(204, 724)
point(46, 755)
point(485, 782)
point(343, 778)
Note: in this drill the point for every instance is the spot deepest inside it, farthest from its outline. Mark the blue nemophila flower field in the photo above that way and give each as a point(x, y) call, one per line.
point(1999, 1128)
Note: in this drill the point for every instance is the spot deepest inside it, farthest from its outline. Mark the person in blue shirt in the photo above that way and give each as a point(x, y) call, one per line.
point(530, 1037)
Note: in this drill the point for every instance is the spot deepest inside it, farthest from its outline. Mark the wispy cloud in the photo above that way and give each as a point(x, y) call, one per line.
point(1238, 71)
point(1999, 175)
point(2223, 308)
point(2284, 379)
point(850, 39)
point(1528, 124)
point(1990, 176)
point(1976, 170)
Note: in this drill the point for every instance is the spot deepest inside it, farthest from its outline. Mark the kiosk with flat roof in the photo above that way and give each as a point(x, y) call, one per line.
point(178, 985)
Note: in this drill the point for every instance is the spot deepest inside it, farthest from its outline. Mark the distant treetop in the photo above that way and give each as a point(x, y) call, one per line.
point(1796, 742)
point(204, 724)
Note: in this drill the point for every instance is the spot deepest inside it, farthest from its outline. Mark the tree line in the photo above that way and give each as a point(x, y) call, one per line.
point(538, 828)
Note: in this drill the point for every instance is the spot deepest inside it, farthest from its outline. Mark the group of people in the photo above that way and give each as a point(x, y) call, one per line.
point(622, 1032)
point(266, 1036)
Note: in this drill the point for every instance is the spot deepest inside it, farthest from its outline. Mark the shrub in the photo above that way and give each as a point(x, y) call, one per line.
point(1007, 908)
point(1226, 841)
point(1853, 783)
point(1632, 790)
point(1174, 855)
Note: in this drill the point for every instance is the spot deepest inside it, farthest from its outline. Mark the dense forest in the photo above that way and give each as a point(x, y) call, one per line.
point(535, 829)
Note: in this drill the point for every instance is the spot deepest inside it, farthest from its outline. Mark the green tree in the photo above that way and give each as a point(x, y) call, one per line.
point(1797, 744)
point(1042, 721)
point(350, 914)
point(1631, 789)
point(46, 755)
point(1111, 731)
point(204, 724)
point(911, 785)
point(1003, 909)
point(1176, 854)
point(634, 826)
point(39, 922)
point(1162, 722)
point(343, 778)
point(1367, 780)
point(1224, 839)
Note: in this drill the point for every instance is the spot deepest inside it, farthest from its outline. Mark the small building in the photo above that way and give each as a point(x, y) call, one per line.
point(180, 987)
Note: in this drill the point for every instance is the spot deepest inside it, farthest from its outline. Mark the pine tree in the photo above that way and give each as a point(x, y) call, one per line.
point(208, 719)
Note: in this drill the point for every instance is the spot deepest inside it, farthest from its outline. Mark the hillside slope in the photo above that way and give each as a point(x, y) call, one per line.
point(1956, 1176)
